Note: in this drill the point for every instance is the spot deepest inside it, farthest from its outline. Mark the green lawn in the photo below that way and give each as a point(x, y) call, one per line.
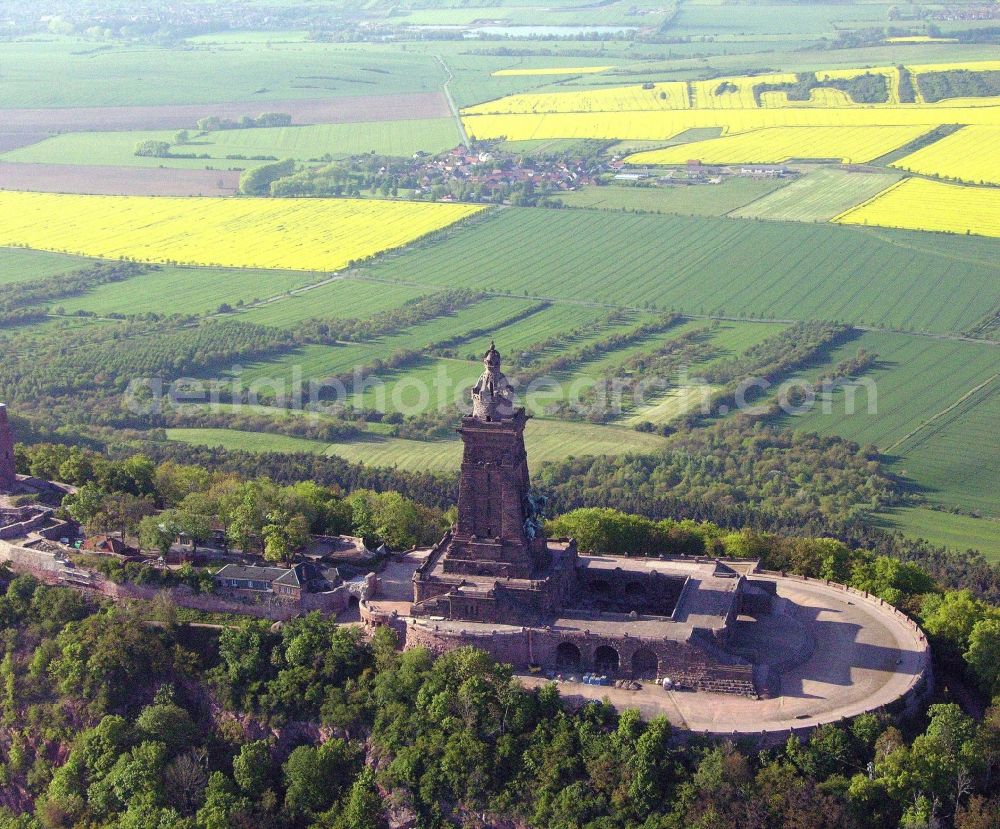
point(817, 196)
point(934, 428)
point(302, 143)
point(960, 532)
point(545, 440)
point(722, 266)
point(24, 265)
point(688, 200)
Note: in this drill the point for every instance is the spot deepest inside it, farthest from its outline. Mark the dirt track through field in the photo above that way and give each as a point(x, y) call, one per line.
point(185, 116)
point(117, 181)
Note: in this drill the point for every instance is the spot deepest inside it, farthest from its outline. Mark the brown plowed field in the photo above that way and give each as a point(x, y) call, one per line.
point(117, 181)
point(305, 111)
point(13, 140)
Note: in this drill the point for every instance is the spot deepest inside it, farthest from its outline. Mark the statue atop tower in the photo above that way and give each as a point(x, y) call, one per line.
point(493, 395)
point(8, 474)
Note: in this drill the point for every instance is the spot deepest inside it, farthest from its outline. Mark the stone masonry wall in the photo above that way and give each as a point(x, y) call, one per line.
point(45, 567)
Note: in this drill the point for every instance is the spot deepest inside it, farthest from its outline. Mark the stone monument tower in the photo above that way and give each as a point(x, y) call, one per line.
point(498, 531)
point(495, 564)
point(8, 476)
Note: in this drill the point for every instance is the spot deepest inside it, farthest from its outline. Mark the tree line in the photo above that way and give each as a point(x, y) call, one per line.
point(308, 725)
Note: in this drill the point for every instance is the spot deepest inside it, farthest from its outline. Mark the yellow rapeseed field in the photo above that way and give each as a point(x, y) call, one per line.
point(663, 124)
point(732, 93)
point(969, 65)
point(551, 70)
point(670, 95)
point(852, 145)
point(288, 234)
point(919, 204)
point(920, 39)
point(971, 154)
point(821, 96)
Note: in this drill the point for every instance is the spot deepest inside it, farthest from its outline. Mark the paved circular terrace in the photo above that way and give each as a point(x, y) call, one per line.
point(857, 655)
point(831, 653)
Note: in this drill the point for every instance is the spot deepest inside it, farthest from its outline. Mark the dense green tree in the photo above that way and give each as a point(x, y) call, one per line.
point(253, 768)
point(222, 803)
point(167, 723)
point(257, 180)
point(983, 654)
point(153, 149)
point(315, 777)
point(365, 808)
point(158, 532)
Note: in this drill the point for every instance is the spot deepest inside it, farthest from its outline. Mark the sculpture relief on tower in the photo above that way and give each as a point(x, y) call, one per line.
point(493, 395)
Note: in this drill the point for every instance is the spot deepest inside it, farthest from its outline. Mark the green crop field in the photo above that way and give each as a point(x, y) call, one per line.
point(777, 19)
point(728, 339)
point(302, 143)
point(931, 421)
point(441, 384)
point(69, 72)
point(23, 265)
point(955, 458)
point(546, 440)
point(960, 532)
point(722, 266)
point(693, 200)
point(173, 290)
point(558, 318)
point(817, 196)
point(551, 14)
point(433, 384)
point(320, 361)
point(341, 299)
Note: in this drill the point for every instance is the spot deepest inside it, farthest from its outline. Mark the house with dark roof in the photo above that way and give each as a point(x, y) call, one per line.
point(109, 545)
point(285, 583)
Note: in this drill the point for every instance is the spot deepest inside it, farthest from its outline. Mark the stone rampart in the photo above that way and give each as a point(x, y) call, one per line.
point(46, 567)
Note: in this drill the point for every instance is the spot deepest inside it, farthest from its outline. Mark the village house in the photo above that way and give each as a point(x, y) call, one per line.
point(288, 584)
point(109, 545)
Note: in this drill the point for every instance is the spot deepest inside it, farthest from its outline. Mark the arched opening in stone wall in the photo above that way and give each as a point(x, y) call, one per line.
point(606, 660)
point(644, 664)
point(600, 588)
point(568, 657)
